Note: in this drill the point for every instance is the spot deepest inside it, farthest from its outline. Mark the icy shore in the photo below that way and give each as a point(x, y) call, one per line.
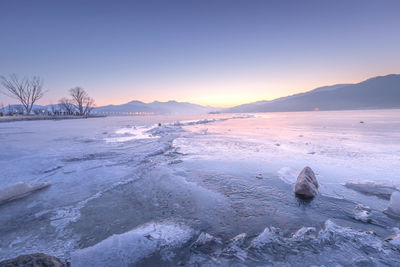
point(223, 181)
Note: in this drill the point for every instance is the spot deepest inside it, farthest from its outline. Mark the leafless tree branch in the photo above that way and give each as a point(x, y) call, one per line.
point(81, 100)
point(67, 106)
point(27, 91)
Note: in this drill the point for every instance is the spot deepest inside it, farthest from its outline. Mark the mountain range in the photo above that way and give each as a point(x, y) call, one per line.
point(156, 107)
point(382, 92)
point(375, 93)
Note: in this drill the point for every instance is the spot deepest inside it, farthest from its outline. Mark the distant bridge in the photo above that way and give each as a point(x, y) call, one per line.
point(121, 113)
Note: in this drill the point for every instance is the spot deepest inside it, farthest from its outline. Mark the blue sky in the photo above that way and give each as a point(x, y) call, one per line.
point(208, 52)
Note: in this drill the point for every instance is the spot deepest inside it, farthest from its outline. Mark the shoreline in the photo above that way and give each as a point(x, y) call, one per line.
point(39, 118)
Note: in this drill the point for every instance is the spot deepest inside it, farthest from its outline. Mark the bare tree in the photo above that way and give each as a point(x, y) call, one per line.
point(89, 106)
point(53, 110)
point(81, 100)
point(26, 90)
point(67, 106)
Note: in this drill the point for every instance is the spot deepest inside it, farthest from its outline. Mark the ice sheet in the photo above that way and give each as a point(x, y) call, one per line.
point(224, 175)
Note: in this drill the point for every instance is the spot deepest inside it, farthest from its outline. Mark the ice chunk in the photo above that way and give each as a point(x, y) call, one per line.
point(206, 243)
point(204, 239)
point(268, 236)
point(333, 233)
point(19, 190)
point(234, 248)
point(395, 239)
point(371, 188)
point(304, 233)
point(394, 205)
point(362, 213)
point(128, 248)
point(238, 240)
point(37, 259)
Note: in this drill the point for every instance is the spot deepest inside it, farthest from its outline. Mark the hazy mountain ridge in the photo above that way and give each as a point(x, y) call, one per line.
point(375, 93)
point(156, 107)
point(378, 92)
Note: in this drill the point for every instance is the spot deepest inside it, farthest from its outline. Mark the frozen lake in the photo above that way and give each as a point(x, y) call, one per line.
point(207, 190)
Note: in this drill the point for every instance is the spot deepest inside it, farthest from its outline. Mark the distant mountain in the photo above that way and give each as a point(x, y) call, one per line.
point(375, 93)
point(156, 107)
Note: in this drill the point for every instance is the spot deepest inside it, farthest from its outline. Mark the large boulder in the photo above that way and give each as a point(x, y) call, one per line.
point(306, 185)
point(33, 260)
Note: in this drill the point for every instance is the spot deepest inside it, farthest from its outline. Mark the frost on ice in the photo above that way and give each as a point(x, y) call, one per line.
point(131, 247)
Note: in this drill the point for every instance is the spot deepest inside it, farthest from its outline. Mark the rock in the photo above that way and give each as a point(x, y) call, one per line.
point(306, 185)
point(394, 205)
point(34, 260)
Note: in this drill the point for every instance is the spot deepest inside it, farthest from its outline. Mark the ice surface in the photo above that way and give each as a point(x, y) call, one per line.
point(128, 134)
point(201, 173)
point(334, 144)
point(129, 248)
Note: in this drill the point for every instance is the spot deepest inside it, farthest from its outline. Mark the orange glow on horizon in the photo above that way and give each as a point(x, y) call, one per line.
point(224, 93)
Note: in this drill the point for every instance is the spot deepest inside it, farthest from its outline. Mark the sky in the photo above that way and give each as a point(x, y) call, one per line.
point(209, 52)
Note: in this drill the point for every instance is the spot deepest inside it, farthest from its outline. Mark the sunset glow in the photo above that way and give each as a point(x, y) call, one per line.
point(240, 53)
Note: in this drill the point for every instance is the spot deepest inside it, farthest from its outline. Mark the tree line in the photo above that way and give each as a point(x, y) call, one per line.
point(29, 90)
